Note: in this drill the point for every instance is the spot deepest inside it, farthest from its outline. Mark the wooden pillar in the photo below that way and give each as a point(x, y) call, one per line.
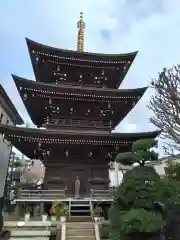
point(34, 210)
point(18, 193)
point(41, 208)
point(17, 210)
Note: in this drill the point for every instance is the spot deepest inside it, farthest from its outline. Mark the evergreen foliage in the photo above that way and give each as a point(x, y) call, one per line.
point(141, 152)
point(134, 205)
point(141, 220)
point(115, 224)
point(137, 188)
point(134, 208)
point(173, 171)
point(167, 191)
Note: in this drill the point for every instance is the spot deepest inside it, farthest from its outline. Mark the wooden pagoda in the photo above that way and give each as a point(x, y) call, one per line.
point(75, 104)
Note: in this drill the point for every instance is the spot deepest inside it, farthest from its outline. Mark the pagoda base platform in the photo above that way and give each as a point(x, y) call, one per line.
point(81, 208)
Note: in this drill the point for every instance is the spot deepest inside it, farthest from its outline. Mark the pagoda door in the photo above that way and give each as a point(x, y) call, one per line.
point(82, 174)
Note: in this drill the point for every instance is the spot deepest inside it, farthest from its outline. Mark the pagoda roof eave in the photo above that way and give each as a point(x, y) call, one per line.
point(31, 43)
point(31, 83)
point(23, 131)
point(30, 141)
point(44, 91)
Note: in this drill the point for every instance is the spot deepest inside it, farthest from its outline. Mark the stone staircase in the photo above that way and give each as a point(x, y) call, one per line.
point(36, 230)
point(80, 211)
point(80, 231)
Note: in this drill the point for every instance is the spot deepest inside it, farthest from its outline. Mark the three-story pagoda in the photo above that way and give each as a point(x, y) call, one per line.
point(76, 100)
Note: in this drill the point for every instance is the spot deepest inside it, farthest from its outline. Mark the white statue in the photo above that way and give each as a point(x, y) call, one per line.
point(77, 187)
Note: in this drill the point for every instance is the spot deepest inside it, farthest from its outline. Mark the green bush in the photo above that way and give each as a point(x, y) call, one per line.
point(133, 208)
point(140, 220)
point(114, 213)
point(140, 153)
point(136, 190)
point(137, 210)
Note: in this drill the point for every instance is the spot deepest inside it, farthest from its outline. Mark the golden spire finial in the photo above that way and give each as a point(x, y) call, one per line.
point(81, 27)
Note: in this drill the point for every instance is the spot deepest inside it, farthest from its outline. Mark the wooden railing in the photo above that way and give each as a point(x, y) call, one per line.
point(98, 193)
point(42, 194)
point(59, 194)
point(77, 84)
point(77, 122)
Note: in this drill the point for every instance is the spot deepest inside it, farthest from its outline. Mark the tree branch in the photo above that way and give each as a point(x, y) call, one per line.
point(165, 104)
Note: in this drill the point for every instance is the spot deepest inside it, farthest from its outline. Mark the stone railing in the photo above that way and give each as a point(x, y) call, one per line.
point(96, 230)
point(33, 229)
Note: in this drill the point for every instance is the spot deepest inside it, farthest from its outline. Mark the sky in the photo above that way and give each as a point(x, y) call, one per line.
point(112, 26)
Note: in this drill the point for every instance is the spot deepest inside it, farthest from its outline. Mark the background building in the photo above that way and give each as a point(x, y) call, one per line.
point(163, 163)
point(8, 116)
point(117, 170)
point(14, 174)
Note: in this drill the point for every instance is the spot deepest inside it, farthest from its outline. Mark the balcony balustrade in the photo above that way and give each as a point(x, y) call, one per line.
point(77, 122)
point(42, 194)
point(38, 194)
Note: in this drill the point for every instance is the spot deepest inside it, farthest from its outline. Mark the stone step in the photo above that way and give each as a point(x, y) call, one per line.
point(80, 205)
point(80, 210)
point(80, 201)
point(80, 225)
point(75, 217)
point(80, 219)
point(80, 232)
point(80, 238)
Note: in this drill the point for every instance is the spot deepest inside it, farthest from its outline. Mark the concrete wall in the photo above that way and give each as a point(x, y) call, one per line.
point(5, 150)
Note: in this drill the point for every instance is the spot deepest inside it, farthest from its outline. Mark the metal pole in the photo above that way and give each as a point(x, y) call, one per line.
point(116, 168)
